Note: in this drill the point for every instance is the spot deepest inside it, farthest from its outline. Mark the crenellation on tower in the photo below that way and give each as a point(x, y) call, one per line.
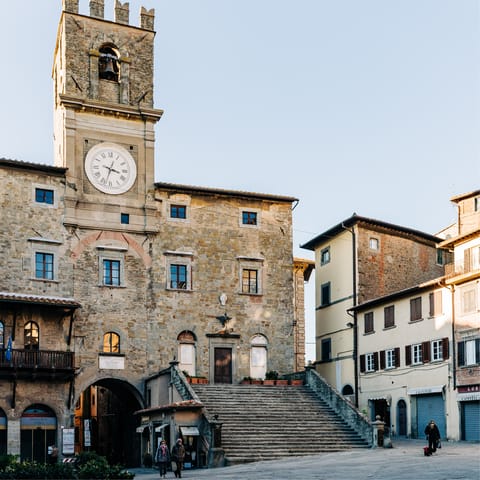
point(147, 18)
point(122, 12)
point(97, 8)
point(70, 6)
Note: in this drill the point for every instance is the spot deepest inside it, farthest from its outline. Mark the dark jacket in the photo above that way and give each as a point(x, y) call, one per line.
point(178, 452)
point(163, 454)
point(433, 433)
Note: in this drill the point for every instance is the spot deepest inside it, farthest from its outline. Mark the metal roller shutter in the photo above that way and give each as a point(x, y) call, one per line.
point(471, 421)
point(430, 407)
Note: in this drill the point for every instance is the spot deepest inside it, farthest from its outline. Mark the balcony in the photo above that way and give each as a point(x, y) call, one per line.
point(37, 364)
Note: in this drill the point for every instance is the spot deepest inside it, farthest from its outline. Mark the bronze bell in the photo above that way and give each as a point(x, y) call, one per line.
point(106, 66)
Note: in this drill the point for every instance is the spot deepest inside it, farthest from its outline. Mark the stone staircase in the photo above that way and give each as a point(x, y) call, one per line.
point(268, 422)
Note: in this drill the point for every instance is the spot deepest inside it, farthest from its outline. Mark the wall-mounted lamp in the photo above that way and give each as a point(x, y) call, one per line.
point(350, 325)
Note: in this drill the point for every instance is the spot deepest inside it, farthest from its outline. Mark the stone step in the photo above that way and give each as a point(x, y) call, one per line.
point(262, 422)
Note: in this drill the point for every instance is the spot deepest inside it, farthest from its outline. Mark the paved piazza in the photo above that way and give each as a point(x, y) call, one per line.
point(405, 461)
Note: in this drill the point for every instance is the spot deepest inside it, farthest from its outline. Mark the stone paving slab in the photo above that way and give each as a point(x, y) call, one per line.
point(455, 461)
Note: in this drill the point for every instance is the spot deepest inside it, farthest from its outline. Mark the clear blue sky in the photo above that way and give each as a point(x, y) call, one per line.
point(367, 106)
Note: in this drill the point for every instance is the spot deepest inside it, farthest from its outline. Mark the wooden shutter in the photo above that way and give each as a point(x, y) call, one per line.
point(397, 357)
point(461, 354)
point(445, 350)
point(375, 361)
point(362, 363)
point(425, 352)
point(382, 360)
point(408, 355)
point(477, 351)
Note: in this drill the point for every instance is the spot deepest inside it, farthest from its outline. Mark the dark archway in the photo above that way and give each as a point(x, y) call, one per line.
point(105, 424)
point(401, 418)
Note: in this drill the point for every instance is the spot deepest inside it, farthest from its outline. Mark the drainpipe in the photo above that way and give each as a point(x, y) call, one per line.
point(354, 315)
point(454, 344)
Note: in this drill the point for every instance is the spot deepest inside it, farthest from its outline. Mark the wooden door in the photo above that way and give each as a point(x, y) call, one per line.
point(223, 365)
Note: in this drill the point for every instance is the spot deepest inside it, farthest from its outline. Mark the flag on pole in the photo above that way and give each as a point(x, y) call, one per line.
point(8, 353)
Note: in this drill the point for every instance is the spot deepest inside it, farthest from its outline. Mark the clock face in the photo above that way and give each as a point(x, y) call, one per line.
point(110, 168)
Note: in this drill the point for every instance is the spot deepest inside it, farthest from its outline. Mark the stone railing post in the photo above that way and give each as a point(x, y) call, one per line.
point(378, 431)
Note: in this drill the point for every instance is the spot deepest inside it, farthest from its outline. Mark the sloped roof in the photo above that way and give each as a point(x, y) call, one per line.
point(26, 298)
point(354, 219)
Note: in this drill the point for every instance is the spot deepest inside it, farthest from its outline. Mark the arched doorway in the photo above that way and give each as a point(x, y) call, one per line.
point(38, 430)
point(105, 424)
point(401, 418)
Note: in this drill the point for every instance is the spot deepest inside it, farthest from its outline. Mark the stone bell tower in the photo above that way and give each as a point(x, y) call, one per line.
point(104, 117)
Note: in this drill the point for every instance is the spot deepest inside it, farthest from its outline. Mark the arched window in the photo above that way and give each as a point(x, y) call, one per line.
point(258, 356)
point(2, 335)
point(108, 64)
point(186, 352)
point(31, 336)
point(111, 342)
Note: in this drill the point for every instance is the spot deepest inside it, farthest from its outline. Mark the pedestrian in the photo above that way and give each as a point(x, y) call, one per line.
point(433, 436)
point(52, 454)
point(162, 457)
point(178, 455)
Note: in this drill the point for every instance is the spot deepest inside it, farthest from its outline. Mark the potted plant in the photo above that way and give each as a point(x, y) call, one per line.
point(270, 377)
point(281, 381)
point(246, 381)
point(296, 381)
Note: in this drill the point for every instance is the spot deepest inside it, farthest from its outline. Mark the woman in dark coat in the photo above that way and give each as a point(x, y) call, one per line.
point(433, 435)
point(162, 457)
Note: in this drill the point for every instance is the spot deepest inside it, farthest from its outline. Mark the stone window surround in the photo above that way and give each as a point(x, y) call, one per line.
point(251, 263)
point(111, 252)
point(44, 245)
point(179, 258)
point(249, 210)
point(42, 186)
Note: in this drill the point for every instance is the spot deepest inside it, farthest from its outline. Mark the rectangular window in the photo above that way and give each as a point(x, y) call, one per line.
point(390, 361)
point(415, 309)
point(369, 362)
point(369, 322)
point(417, 357)
point(124, 218)
point(389, 316)
point(440, 256)
point(44, 265)
point(43, 195)
point(249, 218)
point(435, 301)
point(326, 349)
point(325, 256)
point(373, 243)
point(477, 204)
point(468, 300)
point(111, 272)
point(178, 276)
point(249, 280)
point(178, 211)
point(436, 349)
point(325, 294)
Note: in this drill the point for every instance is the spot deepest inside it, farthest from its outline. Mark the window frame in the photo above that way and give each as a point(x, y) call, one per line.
point(374, 244)
point(370, 362)
point(178, 276)
point(247, 282)
point(369, 323)
point(180, 210)
point(109, 336)
point(249, 264)
point(248, 212)
point(31, 345)
point(416, 309)
point(47, 272)
point(390, 358)
point(436, 349)
point(47, 188)
point(179, 259)
point(325, 256)
point(326, 353)
point(417, 354)
point(325, 299)
point(389, 316)
point(111, 273)
point(113, 254)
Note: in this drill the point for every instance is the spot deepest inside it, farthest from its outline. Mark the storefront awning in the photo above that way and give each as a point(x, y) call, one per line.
point(141, 428)
point(190, 431)
point(425, 390)
point(161, 427)
point(387, 398)
point(468, 396)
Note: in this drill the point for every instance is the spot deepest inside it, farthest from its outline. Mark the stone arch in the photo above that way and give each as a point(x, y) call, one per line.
point(105, 420)
point(112, 236)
